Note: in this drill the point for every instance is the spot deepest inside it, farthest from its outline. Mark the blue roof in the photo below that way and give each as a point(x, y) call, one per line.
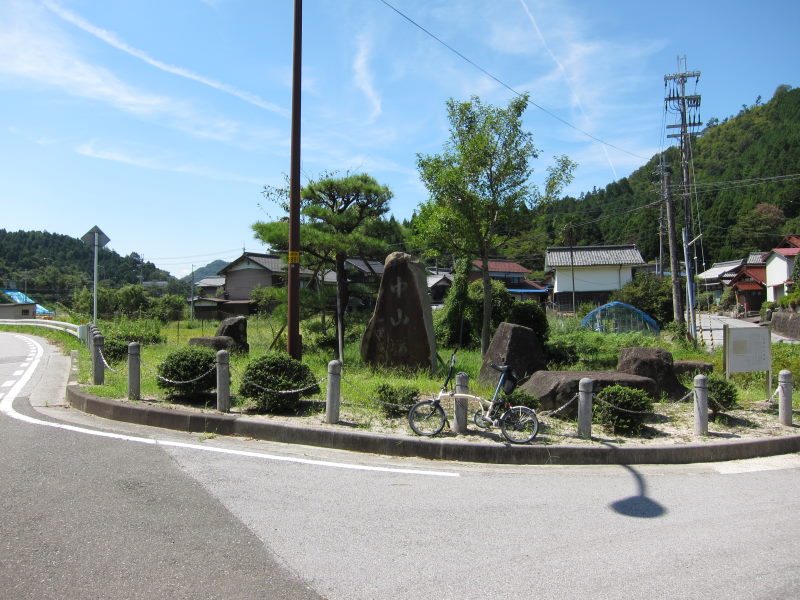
point(19, 298)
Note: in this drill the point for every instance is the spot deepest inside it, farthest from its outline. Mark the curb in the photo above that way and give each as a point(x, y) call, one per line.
point(437, 449)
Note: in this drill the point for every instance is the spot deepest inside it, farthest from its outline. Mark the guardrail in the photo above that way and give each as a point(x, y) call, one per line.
point(70, 328)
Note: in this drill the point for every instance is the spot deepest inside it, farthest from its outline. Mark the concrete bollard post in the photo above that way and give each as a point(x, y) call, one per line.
point(223, 381)
point(701, 405)
point(460, 404)
point(134, 372)
point(98, 369)
point(333, 394)
point(585, 398)
point(785, 397)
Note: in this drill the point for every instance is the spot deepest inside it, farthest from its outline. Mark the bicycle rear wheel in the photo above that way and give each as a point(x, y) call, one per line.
point(426, 417)
point(519, 424)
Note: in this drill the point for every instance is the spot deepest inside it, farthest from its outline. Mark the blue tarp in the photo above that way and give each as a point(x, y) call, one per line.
point(617, 317)
point(19, 298)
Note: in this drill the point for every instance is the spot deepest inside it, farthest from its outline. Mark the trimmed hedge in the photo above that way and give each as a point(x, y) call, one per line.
point(396, 400)
point(267, 378)
point(611, 398)
point(187, 364)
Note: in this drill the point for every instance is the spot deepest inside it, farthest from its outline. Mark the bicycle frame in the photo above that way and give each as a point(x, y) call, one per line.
point(487, 407)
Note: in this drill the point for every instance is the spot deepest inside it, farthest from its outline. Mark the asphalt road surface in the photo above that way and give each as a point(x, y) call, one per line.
point(148, 513)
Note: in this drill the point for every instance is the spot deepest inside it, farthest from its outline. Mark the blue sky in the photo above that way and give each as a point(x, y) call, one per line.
point(160, 121)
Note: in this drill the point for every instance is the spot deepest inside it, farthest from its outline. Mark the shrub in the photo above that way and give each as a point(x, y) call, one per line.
point(396, 400)
point(722, 394)
point(144, 331)
point(115, 350)
point(529, 313)
point(521, 398)
point(187, 364)
point(615, 397)
point(266, 376)
point(561, 353)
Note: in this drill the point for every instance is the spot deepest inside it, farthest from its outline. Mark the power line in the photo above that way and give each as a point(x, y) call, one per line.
point(505, 85)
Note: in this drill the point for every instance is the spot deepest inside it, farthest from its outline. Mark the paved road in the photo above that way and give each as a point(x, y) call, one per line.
point(161, 513)
point(710, 329)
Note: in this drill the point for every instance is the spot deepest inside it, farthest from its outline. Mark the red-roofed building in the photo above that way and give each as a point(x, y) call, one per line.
point(779, 265)
point(507, 271)
point(749, 287)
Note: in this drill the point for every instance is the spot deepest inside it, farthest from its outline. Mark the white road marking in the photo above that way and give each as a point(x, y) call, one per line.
point(7, 407)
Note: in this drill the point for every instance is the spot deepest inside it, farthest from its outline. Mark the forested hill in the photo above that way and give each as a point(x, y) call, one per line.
point(52, 265)
point(744, 200)
point(210, 269)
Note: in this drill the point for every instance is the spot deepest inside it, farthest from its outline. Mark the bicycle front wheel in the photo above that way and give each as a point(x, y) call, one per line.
point(519, 424)
point(426, 417)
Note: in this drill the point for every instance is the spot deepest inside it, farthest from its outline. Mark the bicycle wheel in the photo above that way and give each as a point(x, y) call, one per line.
point(426, 417)
point(519, 424)
point(480, 420)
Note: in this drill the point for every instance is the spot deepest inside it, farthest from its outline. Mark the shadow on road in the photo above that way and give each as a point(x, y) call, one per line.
point(639, 506)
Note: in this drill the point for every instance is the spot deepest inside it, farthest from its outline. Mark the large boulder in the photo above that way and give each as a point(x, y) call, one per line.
point(556, 388)
point(236, 329)
point(219, 342)
point(654, 363)
point(400, 332)
point(516, 346)
point(691, 367)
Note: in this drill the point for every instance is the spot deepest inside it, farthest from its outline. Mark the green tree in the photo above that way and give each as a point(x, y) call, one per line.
point(337, 213)
point(479, 184)
point(650, 294)
point(131, 299)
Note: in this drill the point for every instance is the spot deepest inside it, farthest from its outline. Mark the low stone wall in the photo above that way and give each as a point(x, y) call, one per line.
point(786, 323)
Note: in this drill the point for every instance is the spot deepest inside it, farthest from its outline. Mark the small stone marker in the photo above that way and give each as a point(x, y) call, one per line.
point(236, 329)
point(400, 332)
point(516, 346)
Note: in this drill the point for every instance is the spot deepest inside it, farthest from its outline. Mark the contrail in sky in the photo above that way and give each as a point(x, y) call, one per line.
point(564, 74)
point(112, 39)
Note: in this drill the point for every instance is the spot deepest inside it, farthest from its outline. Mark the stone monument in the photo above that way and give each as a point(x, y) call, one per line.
point(400, 332)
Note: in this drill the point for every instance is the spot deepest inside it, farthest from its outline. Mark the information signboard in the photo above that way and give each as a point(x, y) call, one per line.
point(748, 349)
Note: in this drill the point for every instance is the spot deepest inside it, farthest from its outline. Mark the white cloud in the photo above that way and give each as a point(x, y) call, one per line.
point(363, 77)
point(91, 149)
point(112, 39)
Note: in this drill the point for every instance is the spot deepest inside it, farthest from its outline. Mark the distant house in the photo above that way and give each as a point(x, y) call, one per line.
point(438, 286)
point(780, 263)
point(713, 279)
point(507, 271)
point(749, 286)
point(252, 270)
point(18, 310)
point(239, 278)
point(592, 272)
point(210, 287)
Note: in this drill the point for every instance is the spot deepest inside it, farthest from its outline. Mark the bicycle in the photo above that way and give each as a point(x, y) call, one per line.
point(519, 424)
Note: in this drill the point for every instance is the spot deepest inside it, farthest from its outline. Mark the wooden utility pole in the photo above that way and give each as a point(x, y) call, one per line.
point(294, 346)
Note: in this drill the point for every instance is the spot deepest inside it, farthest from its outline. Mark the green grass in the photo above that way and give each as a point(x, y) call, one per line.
point(596, 351)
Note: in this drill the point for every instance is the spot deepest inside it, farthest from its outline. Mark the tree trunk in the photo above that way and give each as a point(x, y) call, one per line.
point(487, 304)
point(342, 297)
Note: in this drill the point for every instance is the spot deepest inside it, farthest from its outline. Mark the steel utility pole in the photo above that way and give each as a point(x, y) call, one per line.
point(294, 346)
point(687, 106)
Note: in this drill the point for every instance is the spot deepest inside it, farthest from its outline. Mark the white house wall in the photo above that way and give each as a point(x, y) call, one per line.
point(779, 269)
point(595, 279)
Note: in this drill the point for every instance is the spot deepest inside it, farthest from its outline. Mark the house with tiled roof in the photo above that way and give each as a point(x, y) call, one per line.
point(779, 266)
point(749, 286)
point(589, 274)
point(513, 276)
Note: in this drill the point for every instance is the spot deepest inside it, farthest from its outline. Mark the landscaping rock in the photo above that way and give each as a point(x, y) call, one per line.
point(219, 342)
point(516, 346)
point(400, 332)
point(236, 329)
point(691, 367)
point(556, 388)
point(786, 324)
point(654, 363)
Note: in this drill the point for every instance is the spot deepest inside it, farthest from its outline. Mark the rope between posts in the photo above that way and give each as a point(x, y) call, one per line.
point(310, 386)
point(105, 362)
point(559, 409)
point(157, 376)
point(627, 410)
